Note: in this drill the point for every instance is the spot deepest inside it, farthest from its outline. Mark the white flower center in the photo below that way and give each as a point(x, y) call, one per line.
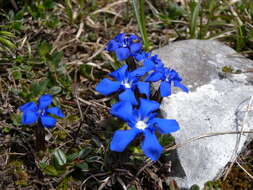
point(127, 85)
point(141, 125)
point(168, 78)
point(41, 112)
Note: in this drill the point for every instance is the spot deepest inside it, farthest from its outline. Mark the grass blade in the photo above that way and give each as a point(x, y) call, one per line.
point(138, 6)
point(195, 8)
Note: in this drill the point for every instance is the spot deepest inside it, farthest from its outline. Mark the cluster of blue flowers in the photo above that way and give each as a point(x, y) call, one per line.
point(139, 113)
point(33, 113)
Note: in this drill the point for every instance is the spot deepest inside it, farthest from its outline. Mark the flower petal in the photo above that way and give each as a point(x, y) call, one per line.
point(112, 46)
point(149, 64)
point(144, 88)
point(122, 53)
point(123, 110)
point(151, 146)
point(166, 126)
point(55, 111)
point(120, 37)
point(45, 101)
point(165, 89)
point(140, 56)
point(135, 47)
point(128, 95)
point(29, 117)
point(139, 72)
point(133, 37)
point(107, 86)
point(147, 106)
point(154, 77)
point(122, 138)
point(120, 73)
point(180, 85)
point(48, 121)
point(30, 106)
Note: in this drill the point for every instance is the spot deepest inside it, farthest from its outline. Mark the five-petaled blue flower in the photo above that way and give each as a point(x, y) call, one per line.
point(124, 46)
point(141, 121)
point(126, 82)
point(167, 76)
point(33, 112)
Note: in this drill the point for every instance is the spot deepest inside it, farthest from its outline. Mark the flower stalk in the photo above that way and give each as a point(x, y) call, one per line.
point(40, 141)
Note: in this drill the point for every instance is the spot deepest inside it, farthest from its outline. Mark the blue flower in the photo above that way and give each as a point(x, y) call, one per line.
point(142, 55)
point(167, 76)
point(125, 81)
point(124, 46)
point(148, 59)
point(33, 112)
point(141, 121)
point(150, 63)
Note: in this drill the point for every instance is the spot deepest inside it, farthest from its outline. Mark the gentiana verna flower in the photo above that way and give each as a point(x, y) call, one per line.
point(141, 121)
point(126, 82)
point(33, 112)
point(149, 60)
point(124, 46)
point(167, 76)
point(150, 63)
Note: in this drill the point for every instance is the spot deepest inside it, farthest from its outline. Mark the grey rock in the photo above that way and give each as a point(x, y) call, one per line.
point(200, 61)
point(217, 102)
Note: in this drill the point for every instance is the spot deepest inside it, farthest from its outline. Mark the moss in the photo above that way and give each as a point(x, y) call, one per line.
point(21, 183)
point(17, 164)
point(213, 185)
point(21, 174)
point(62, 135)
point(227, 69)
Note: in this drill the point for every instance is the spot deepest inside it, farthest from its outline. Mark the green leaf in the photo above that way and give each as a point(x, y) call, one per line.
point(69, 10)
point(17, 75)
point(44, 49)
point(84, 153)
point(50, 170)
point(7, 43)
point(131, 188)
point(16, 119)
point(43, 165)
point(7, 34)
point(60, 157)
point(48, 4)
point(85, 70)
point(64, 185)
point(55, 90)
point(83, 166)
point(194, 187)
point(72, 157)
point(39, 87)
point(56, 58)
point(166, 140)
point(195, 8)
point(52, 22)
point(6, 130)
point(175, 11)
